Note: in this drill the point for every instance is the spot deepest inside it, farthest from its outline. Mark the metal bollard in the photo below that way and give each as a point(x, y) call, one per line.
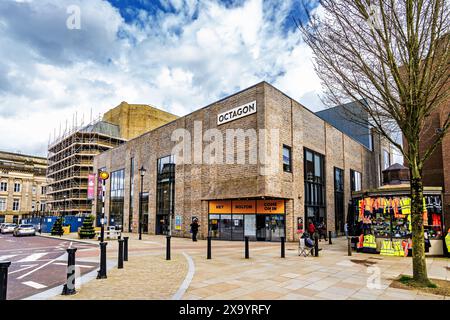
point(168, 248)
point(208, 252)
point(69, 287)
point(246, 248)
point(125, 248)
point(102, 272)
point(4, 279)
point(120, 255)
point(316, 246)
point(349, 246)
point(282, 247)
point(329, 238)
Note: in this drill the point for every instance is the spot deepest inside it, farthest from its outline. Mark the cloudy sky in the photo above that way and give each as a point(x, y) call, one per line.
point(178, 55)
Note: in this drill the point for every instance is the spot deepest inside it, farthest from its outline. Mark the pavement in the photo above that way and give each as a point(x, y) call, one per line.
point(38, 264)
point(266, 276)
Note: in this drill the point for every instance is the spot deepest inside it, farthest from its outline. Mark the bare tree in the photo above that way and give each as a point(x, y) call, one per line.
point(393, 54)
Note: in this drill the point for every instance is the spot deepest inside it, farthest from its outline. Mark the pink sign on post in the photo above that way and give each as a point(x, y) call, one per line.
point(91, 186)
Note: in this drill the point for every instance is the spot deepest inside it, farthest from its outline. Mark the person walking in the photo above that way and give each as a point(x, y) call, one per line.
point(194, 229)
point(322, 231)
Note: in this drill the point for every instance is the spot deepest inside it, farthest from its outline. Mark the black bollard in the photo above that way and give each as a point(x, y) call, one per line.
point(69, 287)
point(125, 249)
point(208, 252)
point(120, 255)
point(282, 246)
point(168, 248)
point(102, 272)
point(329, 237)
point(246, 248)
point(349, 246)
point(4, 279)
point(316, 246)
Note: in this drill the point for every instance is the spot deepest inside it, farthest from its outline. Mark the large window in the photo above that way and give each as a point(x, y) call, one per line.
point(355, 180)
point(386, 159)
point(130, 214)
point(2, 204)
point(287, 160)
point(165, 193)
point(117, 198)
point(314, 186)
point(17, 187)
point(16, 204)
point(3, 186)
point(339, 200)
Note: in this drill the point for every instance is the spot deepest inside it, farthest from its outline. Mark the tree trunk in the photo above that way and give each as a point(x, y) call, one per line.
point(418, 251)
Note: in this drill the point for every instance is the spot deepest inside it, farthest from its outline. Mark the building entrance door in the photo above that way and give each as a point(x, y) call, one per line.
point(262, 227)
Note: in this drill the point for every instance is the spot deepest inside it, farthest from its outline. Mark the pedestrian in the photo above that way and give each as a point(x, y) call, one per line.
point(322, 228)
point(346, 230)
point(311, 228)
point(194, 229)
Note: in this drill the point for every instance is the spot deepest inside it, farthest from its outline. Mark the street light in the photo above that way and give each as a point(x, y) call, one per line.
point(142, 171)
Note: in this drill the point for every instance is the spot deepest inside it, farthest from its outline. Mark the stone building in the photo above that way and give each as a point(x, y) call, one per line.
point(22, 186)
point(203, 165)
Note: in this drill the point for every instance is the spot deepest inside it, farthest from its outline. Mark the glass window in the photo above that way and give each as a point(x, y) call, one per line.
point(42, 206)
point(225, 227)
point(314, 185)
point(237, 227)
point(117, 198)
point(130, 213)
point(43, 189)
point(16, 204)
point(355, 180)
point(287, 163)
point(250, 226)
point(2, 204)
point(3, 186)
point(17, 187)
point(165, 191)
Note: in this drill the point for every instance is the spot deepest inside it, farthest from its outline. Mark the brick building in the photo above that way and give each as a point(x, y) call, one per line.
point(22, 186)
point(305, 169)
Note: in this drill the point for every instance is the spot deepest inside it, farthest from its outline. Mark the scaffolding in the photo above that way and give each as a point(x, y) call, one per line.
point(71, 160)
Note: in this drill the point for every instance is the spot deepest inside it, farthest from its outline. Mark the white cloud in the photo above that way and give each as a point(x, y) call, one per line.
point(48, 72)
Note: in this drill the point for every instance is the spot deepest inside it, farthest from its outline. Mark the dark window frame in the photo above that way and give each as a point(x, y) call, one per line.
point(315, 186)
point(289, 166)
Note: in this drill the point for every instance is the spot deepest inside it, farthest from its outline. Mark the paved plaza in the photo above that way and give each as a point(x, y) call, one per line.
point(190, 276)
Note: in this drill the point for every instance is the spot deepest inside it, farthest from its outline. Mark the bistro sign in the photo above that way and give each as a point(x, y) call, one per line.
point(236, 113)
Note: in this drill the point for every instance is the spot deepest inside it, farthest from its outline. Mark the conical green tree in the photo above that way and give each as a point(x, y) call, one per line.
point(87, 230)
point(57, 229)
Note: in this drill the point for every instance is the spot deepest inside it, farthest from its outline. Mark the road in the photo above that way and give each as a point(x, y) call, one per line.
point(39, 264)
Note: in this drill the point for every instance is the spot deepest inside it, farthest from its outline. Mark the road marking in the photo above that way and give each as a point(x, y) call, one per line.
point(34, 285)
point(26, 267)
point(187, 280)
point(32, 271)
point(77, 265)
point(33, 257)
point(3, 258)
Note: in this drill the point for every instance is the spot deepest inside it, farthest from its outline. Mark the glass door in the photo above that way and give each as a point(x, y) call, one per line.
point(261, 227)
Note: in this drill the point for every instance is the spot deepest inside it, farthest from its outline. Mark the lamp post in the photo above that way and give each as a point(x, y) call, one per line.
point(142, 171)
point(103, 176)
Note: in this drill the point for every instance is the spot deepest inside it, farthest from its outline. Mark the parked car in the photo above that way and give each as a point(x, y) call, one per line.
point(24, 230)
point(8, 228)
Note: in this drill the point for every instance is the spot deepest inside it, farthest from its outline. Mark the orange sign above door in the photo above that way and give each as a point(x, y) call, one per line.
point(220, 207)
point(244, 206)
point(270, 206)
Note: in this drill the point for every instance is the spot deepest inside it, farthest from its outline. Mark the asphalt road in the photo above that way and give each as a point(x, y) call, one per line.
point(39, 264)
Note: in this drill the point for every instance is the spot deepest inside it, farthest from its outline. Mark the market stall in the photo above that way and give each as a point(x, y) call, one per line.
point(382, 220)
